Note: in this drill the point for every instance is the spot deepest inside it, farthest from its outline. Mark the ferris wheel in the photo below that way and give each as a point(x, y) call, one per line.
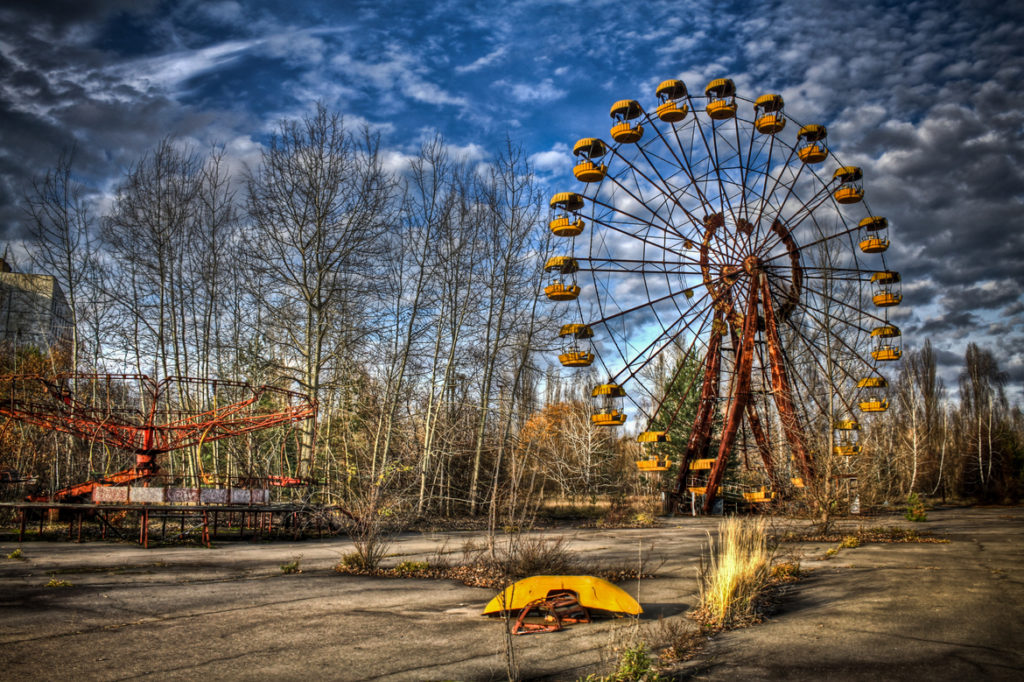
point(717, 226)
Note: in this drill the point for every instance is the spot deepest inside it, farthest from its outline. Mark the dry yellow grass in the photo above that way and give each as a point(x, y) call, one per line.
point(737, 569)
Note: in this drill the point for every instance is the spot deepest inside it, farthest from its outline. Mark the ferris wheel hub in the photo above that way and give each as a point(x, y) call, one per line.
point(752, 264)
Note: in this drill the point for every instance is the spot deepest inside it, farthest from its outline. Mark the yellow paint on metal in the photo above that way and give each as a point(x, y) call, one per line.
point(613, 390)
point(592, 592)
point(874, 222)
point(580, 331)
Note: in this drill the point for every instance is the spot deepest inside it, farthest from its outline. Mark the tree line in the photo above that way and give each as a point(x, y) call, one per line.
point(407, 304)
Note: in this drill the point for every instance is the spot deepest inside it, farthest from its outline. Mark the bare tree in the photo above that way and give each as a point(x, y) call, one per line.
point(64, 244)
point(320, 204)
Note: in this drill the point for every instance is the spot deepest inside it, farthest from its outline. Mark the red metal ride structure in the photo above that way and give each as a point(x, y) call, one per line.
point(135, 413)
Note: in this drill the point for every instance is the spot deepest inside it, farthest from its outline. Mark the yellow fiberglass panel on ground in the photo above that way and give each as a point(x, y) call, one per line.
point(593, 593)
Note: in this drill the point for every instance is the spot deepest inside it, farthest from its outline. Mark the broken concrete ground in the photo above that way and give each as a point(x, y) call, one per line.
point(932, 611)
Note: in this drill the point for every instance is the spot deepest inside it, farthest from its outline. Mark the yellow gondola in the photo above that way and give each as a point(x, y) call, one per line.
point(845, 438)
point(887, 290)
point(876, 240)
point(873, 394)
point(576, 350)
point(607, 400)
point(850, 189)
point(589, 149)
point(701, 464)
point(886, 343)
point(623, 112)
point(671, 109)
point(811, 147)
point(768, 116)
point(649, 442)
point(721, 94)
point(759, 496)
point(566, 223)
point(562, 286)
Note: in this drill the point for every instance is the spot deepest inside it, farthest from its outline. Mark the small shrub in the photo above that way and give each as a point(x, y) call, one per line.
point(412, 567)
point(635, 665)
point(785, 572)
point(16, 554)
point(831, 552)
point(351, 562)
point(55, 582)
point(644, 519)
point(915, 509)
point(292, 566)
point(681, 641)
point(849, 542)
point(534, 555)
point(735, 574)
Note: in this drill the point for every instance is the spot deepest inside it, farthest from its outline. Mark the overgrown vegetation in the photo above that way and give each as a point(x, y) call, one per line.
point(733, 573)
point(635, 664)
point(58, 583)
point(292, 567)
point(17, 554)
point(884, 534)
point(496, 567)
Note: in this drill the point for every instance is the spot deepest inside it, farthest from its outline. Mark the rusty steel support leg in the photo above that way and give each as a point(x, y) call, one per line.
point(701, 434)
point(215, 519)
point(21, 528)
point(740, 398)
point(781, 388)
point(206, 530)
point(763, 448)
point(79, 515)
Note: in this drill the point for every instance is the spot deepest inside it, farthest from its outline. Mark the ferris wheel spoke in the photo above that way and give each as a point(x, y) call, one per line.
point(845, 304)
point(792, 225)
point(695, 377)
point(822, 240)
point(627, 233)
point(694, 306)
point(646, 355)
point(810, 347)
point(668, 191)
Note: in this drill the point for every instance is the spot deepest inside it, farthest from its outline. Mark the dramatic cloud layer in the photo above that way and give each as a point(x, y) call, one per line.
point(925, 96)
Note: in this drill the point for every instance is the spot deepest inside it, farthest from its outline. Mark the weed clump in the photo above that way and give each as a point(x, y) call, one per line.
point(411, 567)
point(736, 571)
point(58, 583)
point(292, 566)
point(635, 665)
point(16, 554)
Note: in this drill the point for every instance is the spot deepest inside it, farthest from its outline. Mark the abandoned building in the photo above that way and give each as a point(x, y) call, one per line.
point(33, 311)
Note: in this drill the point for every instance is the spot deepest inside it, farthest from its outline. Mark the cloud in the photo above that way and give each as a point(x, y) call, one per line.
point(555, 160)
point(533, 93)
point(488, 59)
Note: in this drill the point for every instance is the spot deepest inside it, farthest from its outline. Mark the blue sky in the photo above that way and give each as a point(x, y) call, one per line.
point(925, 96)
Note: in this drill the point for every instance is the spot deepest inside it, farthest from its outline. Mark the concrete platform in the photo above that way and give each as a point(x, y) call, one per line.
point(923, 611)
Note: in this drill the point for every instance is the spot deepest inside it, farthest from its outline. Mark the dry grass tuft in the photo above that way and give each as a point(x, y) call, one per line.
point(736, 572)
